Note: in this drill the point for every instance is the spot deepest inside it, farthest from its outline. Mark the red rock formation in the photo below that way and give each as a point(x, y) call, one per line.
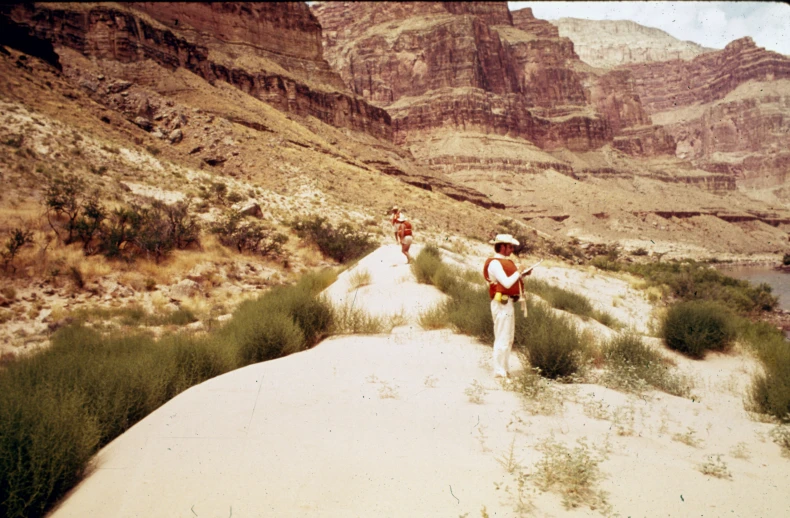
point(463, 66)
point(672, 84)
point(286, 33)
point(526, 21)
point(128, 36)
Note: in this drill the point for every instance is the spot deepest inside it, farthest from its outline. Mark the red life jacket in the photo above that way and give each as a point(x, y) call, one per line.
point(406, 228)
point(493, 286)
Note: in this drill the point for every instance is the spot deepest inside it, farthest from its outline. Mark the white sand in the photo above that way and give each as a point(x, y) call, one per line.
point(381, 426)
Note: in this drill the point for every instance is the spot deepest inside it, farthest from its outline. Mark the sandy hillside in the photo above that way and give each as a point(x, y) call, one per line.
point(386, 425)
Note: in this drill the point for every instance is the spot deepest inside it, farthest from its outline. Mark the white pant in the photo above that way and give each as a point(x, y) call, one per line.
point(504, 333)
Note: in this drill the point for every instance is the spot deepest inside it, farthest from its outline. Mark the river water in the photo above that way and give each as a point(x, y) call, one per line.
point(777, 279)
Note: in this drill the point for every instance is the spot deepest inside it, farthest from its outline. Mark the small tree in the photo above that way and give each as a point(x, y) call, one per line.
point(19, 238)
point(63, 199)
point(88, 225)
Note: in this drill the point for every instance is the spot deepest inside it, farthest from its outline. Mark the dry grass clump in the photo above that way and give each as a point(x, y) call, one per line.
point(632, 366)
point(715, 467)
point(573, 474)
point(569, 301)
point(359, 279)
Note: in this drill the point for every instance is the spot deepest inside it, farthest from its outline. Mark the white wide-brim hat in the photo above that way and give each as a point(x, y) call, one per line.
point(401, 217)
point(505, 238)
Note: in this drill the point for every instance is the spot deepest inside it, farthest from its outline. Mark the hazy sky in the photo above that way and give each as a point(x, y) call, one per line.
point(711, 24)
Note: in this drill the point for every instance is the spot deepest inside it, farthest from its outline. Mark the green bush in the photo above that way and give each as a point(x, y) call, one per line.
point(236, 231)
point(426, 264)
point(695, 281)
point(631, 365)
point(569, 301)
point(59, 406)
point(770, 389)
point(550, 342)
point(46, 443)
point(341, 243)
point(695, 327)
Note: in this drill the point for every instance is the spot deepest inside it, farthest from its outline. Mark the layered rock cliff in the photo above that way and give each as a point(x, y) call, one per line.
point(673, 84)
point(610, 43)
point(729, 111)
point(126, 35)
point(438, 67)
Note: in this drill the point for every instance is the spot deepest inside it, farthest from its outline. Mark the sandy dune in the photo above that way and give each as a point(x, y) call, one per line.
point(381, 426)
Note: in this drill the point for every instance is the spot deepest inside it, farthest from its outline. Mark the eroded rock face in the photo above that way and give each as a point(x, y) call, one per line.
point(440, 67)
point(728, 111)
point(673, 84)
point(127, 36)
point(610, 43)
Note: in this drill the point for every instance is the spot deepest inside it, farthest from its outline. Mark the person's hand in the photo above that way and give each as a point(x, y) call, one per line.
point(526, 272)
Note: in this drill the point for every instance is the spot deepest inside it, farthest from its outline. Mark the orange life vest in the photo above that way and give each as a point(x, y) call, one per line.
point(406, 229)
point(493, 286)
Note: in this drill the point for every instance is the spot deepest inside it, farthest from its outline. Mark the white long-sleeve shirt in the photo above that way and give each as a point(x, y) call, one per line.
point(496, 272)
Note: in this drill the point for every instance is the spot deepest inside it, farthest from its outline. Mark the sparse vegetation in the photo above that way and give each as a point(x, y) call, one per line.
point(475, 392)
point(568, 301)
point(572, 473)
point(547, 341)
point(632, 366)
point(715, 467)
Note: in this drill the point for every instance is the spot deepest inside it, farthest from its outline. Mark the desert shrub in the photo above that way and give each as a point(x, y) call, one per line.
point(235, 197)
point(45, 445)
point(88, 223)
point(550, 342)
point(19, 238)
point(183, 227)
point(359, 279)
point(695, 281)
point(695, 327)
point(604, 263)
point(639, 252)
point(261, 332)
point(63, 198)
point(348, 319)
point(245, 235)
point(632, 365)
point(426, 264)
point(341, 243)
point(120, 232)
point(769, 392)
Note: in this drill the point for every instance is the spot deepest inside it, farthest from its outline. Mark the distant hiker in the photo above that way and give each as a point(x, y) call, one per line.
point(395, 212)
point(504, 287)
point(404, 235)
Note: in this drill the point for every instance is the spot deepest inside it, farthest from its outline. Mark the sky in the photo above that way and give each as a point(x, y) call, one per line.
point(711, 24)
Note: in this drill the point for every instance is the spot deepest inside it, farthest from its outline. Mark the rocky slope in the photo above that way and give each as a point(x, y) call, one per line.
point(610, 43)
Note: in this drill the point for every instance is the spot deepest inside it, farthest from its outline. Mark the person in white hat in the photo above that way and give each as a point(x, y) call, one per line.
point(504, 287)
point(404, 234)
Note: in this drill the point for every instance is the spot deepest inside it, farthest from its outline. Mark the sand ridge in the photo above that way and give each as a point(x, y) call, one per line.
point(383, 426)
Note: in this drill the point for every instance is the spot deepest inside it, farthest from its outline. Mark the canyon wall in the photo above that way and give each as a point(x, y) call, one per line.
point(610, 43)
point(125, 35)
